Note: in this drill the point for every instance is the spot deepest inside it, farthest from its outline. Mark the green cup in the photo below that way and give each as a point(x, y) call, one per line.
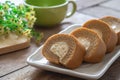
point(51, 12)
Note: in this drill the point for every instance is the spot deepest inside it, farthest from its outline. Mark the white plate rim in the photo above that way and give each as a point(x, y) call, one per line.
point(63, 71)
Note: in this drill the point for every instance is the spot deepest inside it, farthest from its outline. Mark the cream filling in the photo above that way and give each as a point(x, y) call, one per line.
point(12, 39)
point(116, 28)
point(60, 49)
point(85, 42)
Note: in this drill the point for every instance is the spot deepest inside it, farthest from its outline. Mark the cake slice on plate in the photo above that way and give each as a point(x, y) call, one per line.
point(94, 45)
point(104, 31)
point(114, 23)
point(64, 49)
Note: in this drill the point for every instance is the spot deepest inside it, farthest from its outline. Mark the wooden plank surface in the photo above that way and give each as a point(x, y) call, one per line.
point(31, 73)
point(15, 60)
point(83, 4)
point(13, 66)
point(110, 3)
point(100, 11)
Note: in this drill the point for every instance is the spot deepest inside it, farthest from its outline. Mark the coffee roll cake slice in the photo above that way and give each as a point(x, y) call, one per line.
point(114, 23)
point(94, 45)
point(64, 49)
point(104, 31)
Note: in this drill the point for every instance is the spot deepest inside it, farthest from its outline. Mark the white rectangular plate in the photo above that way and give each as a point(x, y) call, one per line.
point(86, 71)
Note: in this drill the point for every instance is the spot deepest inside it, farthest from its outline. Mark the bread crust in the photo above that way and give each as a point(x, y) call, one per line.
point(15, 47)
point(111, 38)
point(73, 61)
point(96, 52)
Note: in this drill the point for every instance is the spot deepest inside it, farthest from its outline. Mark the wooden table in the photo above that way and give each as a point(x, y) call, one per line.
point(13, 65)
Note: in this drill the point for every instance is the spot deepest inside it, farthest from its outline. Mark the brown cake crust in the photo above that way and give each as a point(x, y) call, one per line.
point(96, 50)
point(77, 58)
point(74, 57)
point(114, 23)
point(118, 38)
point(107, 34)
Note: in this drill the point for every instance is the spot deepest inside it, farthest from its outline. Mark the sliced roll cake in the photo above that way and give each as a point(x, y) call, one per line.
point(104, 31)
point(64, 49)
point(94, 45)
point(114, 23)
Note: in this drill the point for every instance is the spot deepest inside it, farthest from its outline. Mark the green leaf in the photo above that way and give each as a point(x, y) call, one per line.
point(13, 19)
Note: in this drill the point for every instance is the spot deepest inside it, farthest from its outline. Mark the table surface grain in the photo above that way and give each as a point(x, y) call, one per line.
point(13, 65)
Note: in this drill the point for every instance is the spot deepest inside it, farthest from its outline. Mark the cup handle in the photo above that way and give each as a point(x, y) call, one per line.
point(74, 7)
